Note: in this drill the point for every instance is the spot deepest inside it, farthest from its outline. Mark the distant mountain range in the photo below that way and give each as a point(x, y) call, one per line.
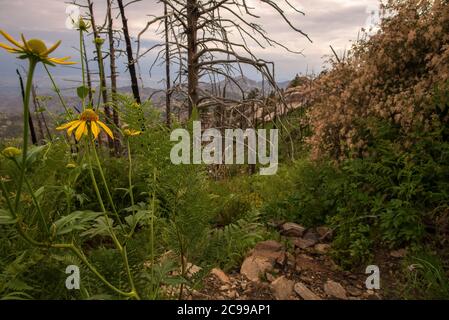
point(11, 100)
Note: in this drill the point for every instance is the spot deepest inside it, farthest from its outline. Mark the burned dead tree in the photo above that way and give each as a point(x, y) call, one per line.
point(215, 39)
point(30, 120)
point(98, 41)
point(113, 71)
point(167, 67)
point(129, 53)
point(36, 112)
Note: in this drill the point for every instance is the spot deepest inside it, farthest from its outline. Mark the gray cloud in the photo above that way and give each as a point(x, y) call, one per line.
point(328, 22)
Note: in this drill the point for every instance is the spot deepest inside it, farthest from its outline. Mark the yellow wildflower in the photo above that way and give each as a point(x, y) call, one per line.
point(131, 132)
point(71, 165)
point(34, 49)
point(87, 120)
point(11, 152)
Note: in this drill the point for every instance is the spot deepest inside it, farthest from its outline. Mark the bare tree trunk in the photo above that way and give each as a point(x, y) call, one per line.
point(129, 52)
point(167, 69)
point(36, 107)
point(30, 120)
point(115, 115)
point(104, 91)
point(192, 50)
point(211, 38)
point(44, 120)
point(252, 167)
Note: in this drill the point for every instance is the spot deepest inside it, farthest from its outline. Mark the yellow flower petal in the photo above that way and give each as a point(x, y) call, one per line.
point(95, 129)
point(105, 128)
point(61, 61)
point(73, 127)
point(131, 132)
point(10, 39)
point(67, 125)
point(4, 46)
point(53, 48)
point(80, 131)
point(25, 45)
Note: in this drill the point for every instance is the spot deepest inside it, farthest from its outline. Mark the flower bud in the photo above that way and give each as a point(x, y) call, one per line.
point(11, 152)
point(99, 41)
point(71, 165)
point(83, 25)
point(37, 46)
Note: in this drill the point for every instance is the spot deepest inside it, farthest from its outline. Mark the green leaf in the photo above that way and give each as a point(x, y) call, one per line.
point(138, 218)
point(76, 221)
point(17, 296)
point(195, 114)
point(81, 198)
point(39, 192)
point(33, 154)
point(6, 217)
point(101, 228)
point(18, 285)
point(82, 92)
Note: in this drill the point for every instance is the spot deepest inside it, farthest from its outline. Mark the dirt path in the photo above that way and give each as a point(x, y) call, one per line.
point(298, 268)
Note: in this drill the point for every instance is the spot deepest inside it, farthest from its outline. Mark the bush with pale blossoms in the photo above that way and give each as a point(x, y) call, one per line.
point(391, 76)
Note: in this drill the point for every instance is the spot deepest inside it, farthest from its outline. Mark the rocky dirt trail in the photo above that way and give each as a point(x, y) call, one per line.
point(299, 268)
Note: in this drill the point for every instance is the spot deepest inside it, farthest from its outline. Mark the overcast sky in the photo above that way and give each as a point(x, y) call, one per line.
point(327, 22)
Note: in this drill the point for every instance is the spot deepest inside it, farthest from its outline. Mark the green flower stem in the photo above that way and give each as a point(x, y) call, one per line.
point(8, 201)
point(121, 248)
point(131, 192)
point(83, 258)
point(58, 92)
point(80, 255)
point(94, 182)
point(130, 172)
point(82, 65)
point(72, 247)
point(124, 253)
point(153, 212)
point(38, 207)
point(36, 203)
point(103, 178)
point(26, 114)
point(100, 200)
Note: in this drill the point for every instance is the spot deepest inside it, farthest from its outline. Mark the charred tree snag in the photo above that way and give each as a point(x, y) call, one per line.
point(113, 69)
point(129, 53)
point(30, 120)
point(104, 91)
point(192, 52)
point(167, 68)
point(211, 39)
